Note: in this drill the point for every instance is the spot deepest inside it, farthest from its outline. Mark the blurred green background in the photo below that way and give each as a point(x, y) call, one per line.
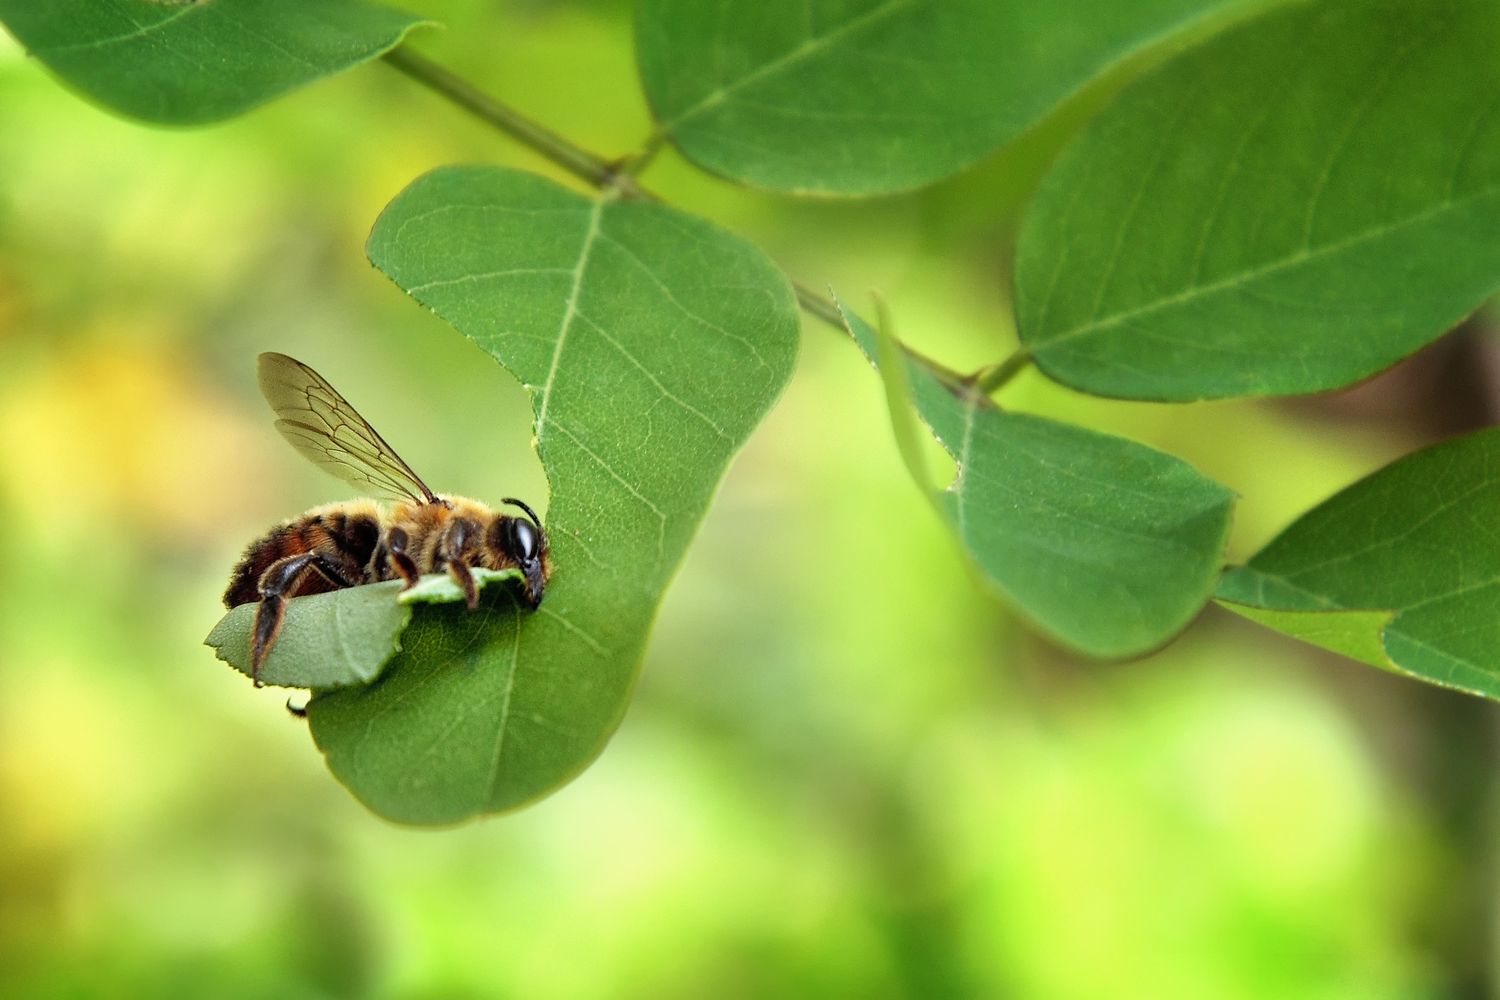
point(847, 771)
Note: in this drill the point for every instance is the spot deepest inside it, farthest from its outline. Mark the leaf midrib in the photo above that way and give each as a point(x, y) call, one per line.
point(570, 312)
point(503, 727)
point(1251, 275)
point(809, 47)
point(140, 31)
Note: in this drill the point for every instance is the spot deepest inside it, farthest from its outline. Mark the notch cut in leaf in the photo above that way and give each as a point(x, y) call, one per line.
point(1355, 634)
point(341, 638)
point(1415, 547)
point(652, 344)
point(189, 62)
point(1110, 547)
point(895, 375)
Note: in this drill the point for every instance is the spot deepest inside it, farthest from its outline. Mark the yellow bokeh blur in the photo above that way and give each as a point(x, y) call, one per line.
point(848, 770)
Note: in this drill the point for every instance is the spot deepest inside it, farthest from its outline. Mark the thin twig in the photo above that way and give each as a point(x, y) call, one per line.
point(616, 175)
point(572, 158)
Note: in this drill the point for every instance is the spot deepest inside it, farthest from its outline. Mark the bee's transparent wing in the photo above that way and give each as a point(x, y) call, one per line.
point(322, 425)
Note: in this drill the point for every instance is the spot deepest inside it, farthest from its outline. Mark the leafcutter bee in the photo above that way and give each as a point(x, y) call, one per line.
point(357, 542)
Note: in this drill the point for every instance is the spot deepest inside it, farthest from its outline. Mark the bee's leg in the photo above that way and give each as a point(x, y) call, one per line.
point(395, 543)
point(452, 545)
point(280, 579)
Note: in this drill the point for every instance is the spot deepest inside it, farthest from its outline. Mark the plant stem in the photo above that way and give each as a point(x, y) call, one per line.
point(827, 310)
point(574, 159)
point(616, 175)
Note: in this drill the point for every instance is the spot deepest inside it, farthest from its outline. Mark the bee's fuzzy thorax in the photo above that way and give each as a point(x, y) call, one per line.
point(424, 524)
point(352, 508)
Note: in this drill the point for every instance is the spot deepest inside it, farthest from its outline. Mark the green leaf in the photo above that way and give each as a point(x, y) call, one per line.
point(652, 344)
point(1355, 634)
point(327, 640)
point(1109, 546)
point(1416, 542)
point(1289, 208)
point(859, 97)
point(896, 377)
point(337, 639)
point(439, 588)
point(186, 62)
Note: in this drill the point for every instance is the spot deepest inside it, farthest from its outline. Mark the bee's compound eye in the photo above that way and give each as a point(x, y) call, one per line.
point(523, 539)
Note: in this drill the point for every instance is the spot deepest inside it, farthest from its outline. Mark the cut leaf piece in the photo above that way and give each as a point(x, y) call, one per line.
point(1416, 542)
point(186, 62)
point(1289, 208)
point(861, 97)
point(1355, 634)
point(327, 640)
point(439, 588)
point(652, 344)
point(1109, 546)
point(337, 639)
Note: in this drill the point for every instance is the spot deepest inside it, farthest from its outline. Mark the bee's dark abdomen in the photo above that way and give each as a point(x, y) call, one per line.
point(348, 539)
point(284, 540)
point(242, 581)
point(354, 535)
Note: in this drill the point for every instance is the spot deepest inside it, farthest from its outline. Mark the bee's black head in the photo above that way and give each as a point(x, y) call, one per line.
point(524, 541)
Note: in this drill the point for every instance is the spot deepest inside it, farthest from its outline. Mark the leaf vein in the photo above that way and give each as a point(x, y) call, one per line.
point(588, 640)
point(679, 306)
point(1250, 275)
point(630, 488)
point(485, 276)
point(570, 310)
point(651, 377)
point(809, 47)
point(504, 722)
point(140, 31)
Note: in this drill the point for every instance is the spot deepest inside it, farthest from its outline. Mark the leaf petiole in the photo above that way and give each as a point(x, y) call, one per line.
point(991, 379)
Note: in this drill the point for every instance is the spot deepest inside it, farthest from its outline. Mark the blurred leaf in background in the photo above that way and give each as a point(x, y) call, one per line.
point(843, 773)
